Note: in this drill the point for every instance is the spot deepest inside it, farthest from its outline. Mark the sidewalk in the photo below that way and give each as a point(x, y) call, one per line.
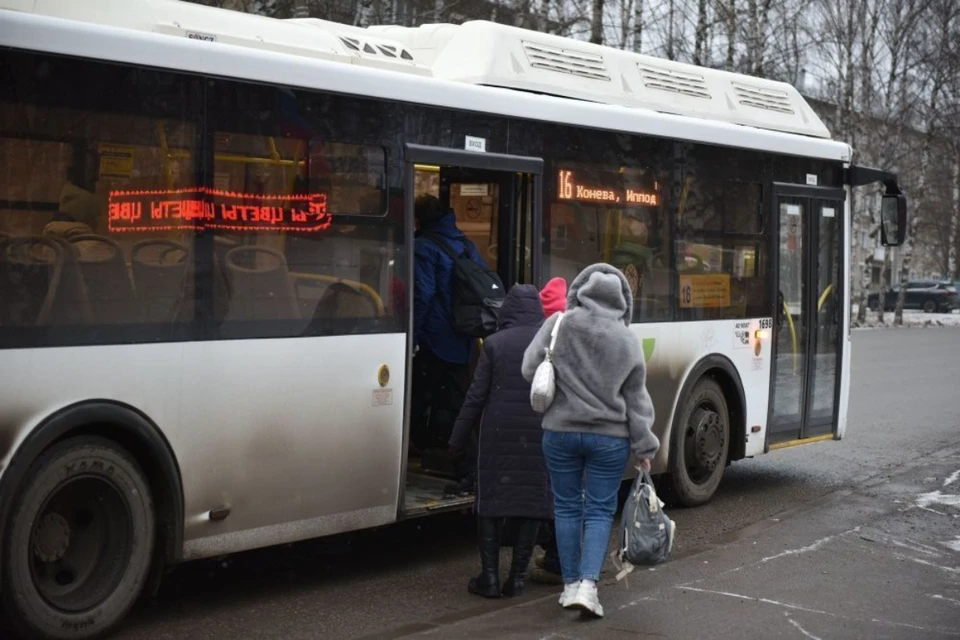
point(878, 561)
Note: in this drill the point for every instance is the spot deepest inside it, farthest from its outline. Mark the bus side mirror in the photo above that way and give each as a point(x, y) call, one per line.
point(893, 219)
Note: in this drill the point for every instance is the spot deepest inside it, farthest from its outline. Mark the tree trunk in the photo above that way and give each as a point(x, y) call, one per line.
point(955, 219)
point(886, 268)
point(596, 24)
point(671, 47)
point(920, 197)
point(753, 34)
point(700, 39)
point(730, 20)
point(626, 12)
point(638, 25)
point(544, 19)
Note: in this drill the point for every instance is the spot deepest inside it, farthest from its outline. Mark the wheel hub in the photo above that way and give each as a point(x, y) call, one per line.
point(708, 438)
point(51, 538)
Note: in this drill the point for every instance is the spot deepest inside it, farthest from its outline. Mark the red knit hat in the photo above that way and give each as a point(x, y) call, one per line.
point(554, 297)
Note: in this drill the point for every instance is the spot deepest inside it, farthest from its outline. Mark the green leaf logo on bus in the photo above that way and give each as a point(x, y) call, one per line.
point(649, 344)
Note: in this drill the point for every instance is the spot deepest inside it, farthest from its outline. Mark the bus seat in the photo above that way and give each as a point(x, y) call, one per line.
point(656, 294)
point(72, 302)
point(260, 285)
point(757, 298)
point(161, 270)
point(341, 301)
point(30, 272)
point(221, 246)
point(106, 278)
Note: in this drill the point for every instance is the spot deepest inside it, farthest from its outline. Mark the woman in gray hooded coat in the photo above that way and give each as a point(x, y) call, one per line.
point(600, 414)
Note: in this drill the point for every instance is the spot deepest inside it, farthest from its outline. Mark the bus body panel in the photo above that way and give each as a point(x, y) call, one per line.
point(847, 348)
point(673, 350)
point(296, 437)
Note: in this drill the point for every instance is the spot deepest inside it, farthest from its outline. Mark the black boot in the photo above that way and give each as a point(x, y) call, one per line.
point(522, 550)
point(487, 584)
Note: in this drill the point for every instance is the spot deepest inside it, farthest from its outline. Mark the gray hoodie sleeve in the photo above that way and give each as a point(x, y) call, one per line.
point(640, 413)
point(536, 352)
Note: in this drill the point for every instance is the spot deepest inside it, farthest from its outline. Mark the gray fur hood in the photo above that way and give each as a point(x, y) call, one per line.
point(598, 363)
point(602, 288)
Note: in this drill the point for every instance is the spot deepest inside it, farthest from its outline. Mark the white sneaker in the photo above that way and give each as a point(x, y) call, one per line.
point(569, 591)
point(587, 600)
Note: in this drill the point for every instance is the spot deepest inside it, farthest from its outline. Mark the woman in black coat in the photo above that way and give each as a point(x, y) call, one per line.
point(512, 479)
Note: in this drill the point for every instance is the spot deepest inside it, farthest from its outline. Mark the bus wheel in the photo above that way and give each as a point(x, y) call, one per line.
point(701, 440)
point(79, 545)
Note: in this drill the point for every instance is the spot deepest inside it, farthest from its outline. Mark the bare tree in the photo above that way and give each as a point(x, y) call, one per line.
point(596, 22)
point(758, 15)
point(932, 44)
point(638, 25)
point(700, 41)
point(728, 9)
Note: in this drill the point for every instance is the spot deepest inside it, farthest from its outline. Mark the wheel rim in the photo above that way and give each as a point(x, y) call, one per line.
point(80, 544)
point(705, 443)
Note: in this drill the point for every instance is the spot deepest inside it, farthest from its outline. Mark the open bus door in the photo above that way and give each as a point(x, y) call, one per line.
point(496, 199)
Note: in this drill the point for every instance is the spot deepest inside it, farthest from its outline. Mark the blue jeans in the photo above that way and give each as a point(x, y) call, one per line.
point(585, 470)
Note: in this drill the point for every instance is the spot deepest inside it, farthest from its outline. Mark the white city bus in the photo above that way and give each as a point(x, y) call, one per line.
point(206, 269)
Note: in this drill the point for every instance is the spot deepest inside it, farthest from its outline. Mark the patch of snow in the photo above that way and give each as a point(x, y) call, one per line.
point(937, 596)
point(936, 497)
point(953, 477)
point(953, 545)
point(813, 546)
point(910, 319)
point(805, 633)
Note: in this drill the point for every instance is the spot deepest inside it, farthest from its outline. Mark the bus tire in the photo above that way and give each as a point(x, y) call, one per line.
point(701, 446)
point(80, 542)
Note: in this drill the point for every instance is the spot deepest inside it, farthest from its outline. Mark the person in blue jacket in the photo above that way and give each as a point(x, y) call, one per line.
point(442, 360)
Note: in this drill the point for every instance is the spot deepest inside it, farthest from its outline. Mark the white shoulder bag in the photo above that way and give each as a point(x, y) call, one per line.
point(544, 385)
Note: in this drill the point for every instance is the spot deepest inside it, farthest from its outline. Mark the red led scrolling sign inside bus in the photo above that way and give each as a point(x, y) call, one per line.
point(202, 208)
point(569, 187)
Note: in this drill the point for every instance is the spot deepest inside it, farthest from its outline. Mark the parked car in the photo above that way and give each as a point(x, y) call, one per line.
point(929, 295)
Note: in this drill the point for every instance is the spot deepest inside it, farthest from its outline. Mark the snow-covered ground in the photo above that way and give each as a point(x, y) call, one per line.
point(910, 319)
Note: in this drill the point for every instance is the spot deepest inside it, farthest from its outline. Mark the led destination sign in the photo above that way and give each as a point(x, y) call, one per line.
point(202, 208)
point(569, 187)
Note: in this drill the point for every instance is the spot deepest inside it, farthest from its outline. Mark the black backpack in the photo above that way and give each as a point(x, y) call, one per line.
point(478, 292)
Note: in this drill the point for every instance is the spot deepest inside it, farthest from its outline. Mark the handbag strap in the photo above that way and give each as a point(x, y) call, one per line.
point(553, 336)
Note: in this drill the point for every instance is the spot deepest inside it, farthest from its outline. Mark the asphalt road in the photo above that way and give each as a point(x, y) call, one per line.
point(395, 580)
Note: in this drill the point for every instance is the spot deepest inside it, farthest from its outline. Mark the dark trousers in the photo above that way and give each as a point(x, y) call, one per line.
point(547, 539)
point(439, 389)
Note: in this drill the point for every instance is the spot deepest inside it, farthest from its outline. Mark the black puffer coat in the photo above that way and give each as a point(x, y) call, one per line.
point(512, 477)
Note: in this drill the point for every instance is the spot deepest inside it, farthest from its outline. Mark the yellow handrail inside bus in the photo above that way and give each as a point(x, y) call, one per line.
point(823, 297)
point(683, 198)
point(608, 232)
point(793, 333)
point(301, 148)
point(370, 291)
point(166, 156)
point(274, 152)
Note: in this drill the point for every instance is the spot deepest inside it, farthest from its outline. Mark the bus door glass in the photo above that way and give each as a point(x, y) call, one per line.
point(809, 314)
point(493, 199)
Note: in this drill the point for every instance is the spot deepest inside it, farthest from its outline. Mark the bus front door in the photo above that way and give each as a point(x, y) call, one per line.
point(808, 331)
point(495, 199)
